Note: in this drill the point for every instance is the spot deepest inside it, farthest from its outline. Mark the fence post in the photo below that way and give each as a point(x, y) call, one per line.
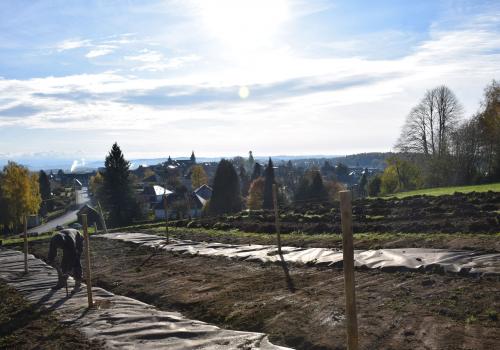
point(88, 273)
point(25, 244)
point(166, 218)
point(348, 263)
point(276, 217)
point(102, 217)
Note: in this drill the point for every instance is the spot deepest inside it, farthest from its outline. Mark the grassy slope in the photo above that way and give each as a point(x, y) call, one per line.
point(439, 191)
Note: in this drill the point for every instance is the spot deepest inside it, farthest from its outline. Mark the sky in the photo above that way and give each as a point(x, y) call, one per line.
point(222, 77)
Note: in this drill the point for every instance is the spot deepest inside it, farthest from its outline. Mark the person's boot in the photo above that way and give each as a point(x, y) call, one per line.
point(78, 286)
point(61, 283)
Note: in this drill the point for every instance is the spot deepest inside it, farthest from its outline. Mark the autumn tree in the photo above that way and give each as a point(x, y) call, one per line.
point(400, 175)
point(198, 176)
point(95, 184)
point(226, 190)
point(20, 194)
point(117, 188)
point(256, 194)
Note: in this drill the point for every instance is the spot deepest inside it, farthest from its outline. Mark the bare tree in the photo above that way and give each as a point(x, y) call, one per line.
point(429, 125)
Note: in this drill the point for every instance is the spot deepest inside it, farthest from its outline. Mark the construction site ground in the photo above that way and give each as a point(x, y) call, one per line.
point(402, 310)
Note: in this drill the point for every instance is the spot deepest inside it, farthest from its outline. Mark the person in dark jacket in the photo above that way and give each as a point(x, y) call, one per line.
point(70, 241)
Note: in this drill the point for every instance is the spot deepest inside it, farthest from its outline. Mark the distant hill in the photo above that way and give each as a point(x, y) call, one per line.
point(52, 162)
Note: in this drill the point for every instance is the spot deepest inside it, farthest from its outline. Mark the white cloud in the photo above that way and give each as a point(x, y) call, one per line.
point(71, 44)
point(101, 50)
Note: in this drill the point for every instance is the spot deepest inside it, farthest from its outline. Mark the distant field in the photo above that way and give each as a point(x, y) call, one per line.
point(439, 191)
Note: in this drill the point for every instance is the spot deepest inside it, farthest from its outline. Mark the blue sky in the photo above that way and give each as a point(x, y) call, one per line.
point(225, 76)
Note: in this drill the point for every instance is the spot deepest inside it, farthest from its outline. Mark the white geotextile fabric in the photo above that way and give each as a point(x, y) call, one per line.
point(456, 261)
point(123, 323)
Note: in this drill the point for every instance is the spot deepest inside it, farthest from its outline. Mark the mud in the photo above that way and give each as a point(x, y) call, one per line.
point(395, 310)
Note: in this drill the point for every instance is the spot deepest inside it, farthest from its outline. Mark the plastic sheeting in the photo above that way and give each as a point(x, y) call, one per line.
point(455, 261)
point(123, 323)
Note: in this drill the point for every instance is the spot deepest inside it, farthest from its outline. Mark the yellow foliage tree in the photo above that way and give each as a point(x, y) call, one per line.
point(256, 194)
point(20, 194)
point(95, 183)
point(198, 176)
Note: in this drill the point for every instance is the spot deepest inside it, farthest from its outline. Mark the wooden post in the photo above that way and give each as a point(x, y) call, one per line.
point(348, 263)
point(95, 228)
point(25, 244)
point(277, 217)
point(88, 273)
point(102, 217)
point(166, 217)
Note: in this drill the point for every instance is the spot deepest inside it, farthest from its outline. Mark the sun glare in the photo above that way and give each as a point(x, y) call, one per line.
point(243, 23)
point(244, 92)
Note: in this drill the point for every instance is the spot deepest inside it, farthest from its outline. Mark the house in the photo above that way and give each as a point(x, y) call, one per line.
point(178, 206)
point(153, 194)
point(92, 216)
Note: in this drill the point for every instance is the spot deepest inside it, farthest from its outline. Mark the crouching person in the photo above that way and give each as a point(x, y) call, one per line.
point(70, 241)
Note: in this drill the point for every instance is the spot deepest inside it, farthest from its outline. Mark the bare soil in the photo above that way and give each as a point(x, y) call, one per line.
point(395, 310)
point(22, 326)
point(458, 213)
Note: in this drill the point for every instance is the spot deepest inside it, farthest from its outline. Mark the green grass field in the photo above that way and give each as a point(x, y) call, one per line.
point(439, 191)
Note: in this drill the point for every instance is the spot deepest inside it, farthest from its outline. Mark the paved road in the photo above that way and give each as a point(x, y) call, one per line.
point(70, 216)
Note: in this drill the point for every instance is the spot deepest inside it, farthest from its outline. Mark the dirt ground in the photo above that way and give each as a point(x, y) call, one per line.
point(22, 326)
point(395, 310)
point(457, 213)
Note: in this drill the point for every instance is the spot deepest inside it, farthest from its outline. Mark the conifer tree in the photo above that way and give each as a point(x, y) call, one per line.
point(226, 190)
point(44, 183)
point(257, 172)
point(268, 185)
point(120, 200)
point(244, 181)
point(317, 191)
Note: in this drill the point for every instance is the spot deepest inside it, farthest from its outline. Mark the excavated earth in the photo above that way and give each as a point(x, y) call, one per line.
point(458, 213)
point(403, 310)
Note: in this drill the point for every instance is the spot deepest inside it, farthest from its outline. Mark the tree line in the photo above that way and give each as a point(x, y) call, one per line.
point(438, 147)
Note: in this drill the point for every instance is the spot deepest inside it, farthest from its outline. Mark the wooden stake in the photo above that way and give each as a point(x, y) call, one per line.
point(95, 228)
point(102, 217)
point(166, 218)
point(25, 244)
point(348, 252)
point(276, 217)
point(88, 273)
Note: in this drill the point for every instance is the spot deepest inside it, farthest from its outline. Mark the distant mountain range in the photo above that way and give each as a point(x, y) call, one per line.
point(52, 162)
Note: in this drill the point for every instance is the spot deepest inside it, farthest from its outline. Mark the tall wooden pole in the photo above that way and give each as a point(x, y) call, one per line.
point(276, 217)
point(166, 217)
point(88, 273)
point(348, 263)
point(25, 244)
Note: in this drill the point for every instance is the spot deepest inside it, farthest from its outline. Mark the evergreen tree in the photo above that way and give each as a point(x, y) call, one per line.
point(363, 183)
point(268, 186)
point(374, 186)
point(193, 158)
point(120, 200)
point(44, 183)
point(257, 172)
point(250, 161)
point(244, 181)
point(317, 191)
point(226, 190)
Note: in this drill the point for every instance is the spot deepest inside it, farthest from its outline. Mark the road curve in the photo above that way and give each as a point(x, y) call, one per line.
point(68, 217)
